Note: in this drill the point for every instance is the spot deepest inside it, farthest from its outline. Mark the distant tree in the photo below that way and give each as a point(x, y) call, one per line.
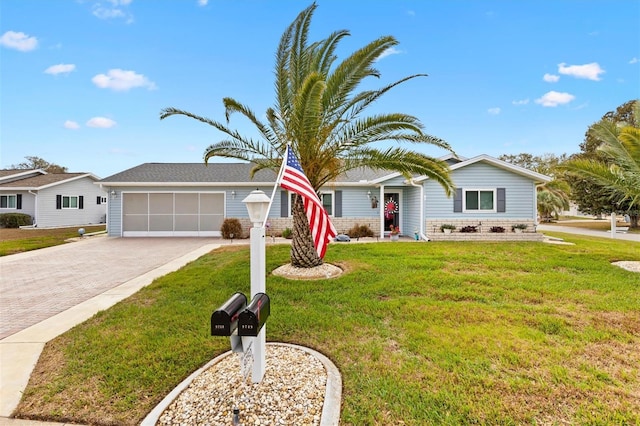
point(39, 163)
point(552, 197)
point(610, 171)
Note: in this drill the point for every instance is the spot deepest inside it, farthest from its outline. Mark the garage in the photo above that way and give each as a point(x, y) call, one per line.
point(172, 214)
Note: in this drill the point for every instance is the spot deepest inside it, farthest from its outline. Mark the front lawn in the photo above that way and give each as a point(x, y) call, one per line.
point(18, 240)
point(423, 333)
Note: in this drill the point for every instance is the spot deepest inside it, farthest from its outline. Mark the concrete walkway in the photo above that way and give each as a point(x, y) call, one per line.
point(46, 292)
point(568, 229)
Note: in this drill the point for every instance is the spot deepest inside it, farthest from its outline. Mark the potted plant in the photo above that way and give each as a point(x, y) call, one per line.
point(498, 229)
point(394, 231)
point(519, 227)
point(447, 228)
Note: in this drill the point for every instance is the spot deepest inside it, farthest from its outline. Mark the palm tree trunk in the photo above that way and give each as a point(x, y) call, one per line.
point(303, 252)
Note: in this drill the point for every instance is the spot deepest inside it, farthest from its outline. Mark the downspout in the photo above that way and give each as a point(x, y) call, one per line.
point(35, 208)
point(381, 215)
point(422, 234)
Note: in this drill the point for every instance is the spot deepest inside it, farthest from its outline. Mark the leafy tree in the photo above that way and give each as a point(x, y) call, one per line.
point(614, 166)
point(319, 112)
point(38, 163)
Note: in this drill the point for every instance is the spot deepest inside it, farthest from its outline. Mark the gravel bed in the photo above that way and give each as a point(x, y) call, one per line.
point(632, 266)
point(291, 392)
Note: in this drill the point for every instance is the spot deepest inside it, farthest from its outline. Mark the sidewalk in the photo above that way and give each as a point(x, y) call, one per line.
point(568, 229)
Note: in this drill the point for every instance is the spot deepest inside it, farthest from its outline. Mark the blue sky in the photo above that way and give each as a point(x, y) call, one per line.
point(83, 81)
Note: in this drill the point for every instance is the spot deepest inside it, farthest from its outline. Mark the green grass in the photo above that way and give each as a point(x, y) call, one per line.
point(19, 240)
point(433, 333)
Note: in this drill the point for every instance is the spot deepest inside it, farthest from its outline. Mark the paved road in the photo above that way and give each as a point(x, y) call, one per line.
point(592, 233)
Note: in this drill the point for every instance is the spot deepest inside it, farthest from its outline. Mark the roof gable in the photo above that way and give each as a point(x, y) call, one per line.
point(45, 180)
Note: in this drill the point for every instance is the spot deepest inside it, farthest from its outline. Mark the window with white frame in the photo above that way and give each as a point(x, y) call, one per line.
point(479, 200)
point(326, 198)
point(69, 202)
point(8, 201)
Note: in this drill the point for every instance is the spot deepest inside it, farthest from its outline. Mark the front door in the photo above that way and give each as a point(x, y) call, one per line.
point(391, 210)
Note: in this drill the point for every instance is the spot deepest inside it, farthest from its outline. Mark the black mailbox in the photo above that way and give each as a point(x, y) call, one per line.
point(253, 317)
point(224, 320)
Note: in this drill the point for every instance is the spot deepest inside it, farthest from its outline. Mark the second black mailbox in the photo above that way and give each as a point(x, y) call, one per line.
point(253, 317)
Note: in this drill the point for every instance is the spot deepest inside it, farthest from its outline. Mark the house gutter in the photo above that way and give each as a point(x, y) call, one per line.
point(35, 208)
point(422, 234)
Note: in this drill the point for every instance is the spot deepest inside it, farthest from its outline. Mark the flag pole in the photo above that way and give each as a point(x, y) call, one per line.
point(275, 187)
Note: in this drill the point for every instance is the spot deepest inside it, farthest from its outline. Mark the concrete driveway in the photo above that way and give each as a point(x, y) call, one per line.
point(46, 292)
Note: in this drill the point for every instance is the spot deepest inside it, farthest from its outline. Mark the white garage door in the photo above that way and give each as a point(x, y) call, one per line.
point(168, 214)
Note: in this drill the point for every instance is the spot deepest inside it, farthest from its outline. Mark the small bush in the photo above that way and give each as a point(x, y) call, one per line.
point(447, 226)
point(231, 228)
point(14, 220)
point(360, 231)
point(498, 229)
point(287, 233)
point(469, 228)
point(522, 226)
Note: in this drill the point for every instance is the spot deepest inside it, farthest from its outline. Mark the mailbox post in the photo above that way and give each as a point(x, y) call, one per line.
point(257, 203)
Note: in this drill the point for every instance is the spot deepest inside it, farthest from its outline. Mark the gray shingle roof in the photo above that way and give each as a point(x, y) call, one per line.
point(39, 181)
point(212, 173)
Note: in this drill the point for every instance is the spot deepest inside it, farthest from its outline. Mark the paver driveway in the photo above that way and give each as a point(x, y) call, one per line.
point(39, 284)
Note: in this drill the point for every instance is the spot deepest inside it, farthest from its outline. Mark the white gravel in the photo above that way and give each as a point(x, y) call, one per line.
point(291, 392)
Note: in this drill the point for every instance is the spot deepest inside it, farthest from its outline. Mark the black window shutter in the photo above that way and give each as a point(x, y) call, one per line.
point(58, 202)
point(502, 201)
point(284, 204)
point(457, 201)
point(98, 200)
point(81, 202)
point(19, 201)
point(338, 204)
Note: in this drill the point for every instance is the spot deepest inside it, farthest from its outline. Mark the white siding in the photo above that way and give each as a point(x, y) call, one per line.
point(92, 213)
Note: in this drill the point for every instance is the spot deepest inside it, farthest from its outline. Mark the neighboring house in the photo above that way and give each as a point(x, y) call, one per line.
point(53, 199)
point(193, 199)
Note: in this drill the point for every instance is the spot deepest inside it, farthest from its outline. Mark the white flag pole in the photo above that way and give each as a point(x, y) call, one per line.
point(275, 187)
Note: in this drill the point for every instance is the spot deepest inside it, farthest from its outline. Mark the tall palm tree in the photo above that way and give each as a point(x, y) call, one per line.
point(320, 114)
point(618, 170)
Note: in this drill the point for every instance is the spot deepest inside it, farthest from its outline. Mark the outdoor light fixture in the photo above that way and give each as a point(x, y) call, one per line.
point(257, 203)
point(233, 194)
point(113, 193)
point(368, 194)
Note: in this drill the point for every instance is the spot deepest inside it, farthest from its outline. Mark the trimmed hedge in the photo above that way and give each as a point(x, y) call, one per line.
point(14, 220)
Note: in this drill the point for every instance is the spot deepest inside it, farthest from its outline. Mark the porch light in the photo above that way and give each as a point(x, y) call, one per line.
point(257, 204)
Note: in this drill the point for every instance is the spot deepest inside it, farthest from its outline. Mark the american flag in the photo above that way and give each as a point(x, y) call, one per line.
point(294, 179)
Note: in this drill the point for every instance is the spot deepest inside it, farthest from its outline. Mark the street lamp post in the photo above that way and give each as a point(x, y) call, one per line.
point(257, 203)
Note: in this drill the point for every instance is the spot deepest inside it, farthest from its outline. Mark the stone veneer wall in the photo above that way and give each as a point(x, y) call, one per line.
point(342, 224)
point(484, 230)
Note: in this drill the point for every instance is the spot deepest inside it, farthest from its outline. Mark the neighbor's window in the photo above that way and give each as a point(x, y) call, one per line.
point(479, 200)
point(69, 202)
point(326, 198)
point(8, 201)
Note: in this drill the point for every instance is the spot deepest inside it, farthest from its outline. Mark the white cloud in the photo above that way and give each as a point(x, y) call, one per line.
point(60, 69)
point(633, 61)
point(494, 111)
point(202, 2)
point(590, 71)
point(122, 80)
point(388, 52)
point(553, 99)
point(71, 125)
point(101, 122)
point(521, 102)
point(18, 41)
point(115, 9)
point(551, 78)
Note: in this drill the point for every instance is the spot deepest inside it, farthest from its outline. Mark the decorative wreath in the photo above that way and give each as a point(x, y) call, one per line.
point(390, 208)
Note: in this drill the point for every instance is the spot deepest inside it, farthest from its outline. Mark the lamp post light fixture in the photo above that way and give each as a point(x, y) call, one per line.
point(257, 203)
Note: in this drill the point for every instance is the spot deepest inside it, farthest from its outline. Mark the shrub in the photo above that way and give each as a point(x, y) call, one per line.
point(522, 226)
point(287, 233)
point(14, 220)
point(498, 229)
point(447, 226)
point(231, 228)
point(359, 231)
point(469, 228)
